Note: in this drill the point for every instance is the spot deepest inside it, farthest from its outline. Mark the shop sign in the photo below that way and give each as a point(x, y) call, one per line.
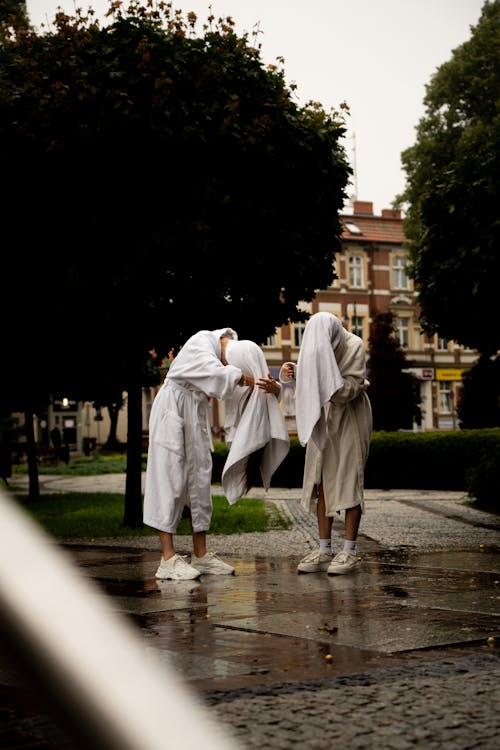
point(449, 374)
point(422, 373)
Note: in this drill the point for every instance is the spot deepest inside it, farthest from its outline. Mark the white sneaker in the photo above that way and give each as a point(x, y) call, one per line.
point(176, 568)
point(314, 562)
point(343, 562)
point(211, 564)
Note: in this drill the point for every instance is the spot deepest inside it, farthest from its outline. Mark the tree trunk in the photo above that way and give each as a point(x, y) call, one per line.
point(133, 487)
point(34, 484)
point(113, 411)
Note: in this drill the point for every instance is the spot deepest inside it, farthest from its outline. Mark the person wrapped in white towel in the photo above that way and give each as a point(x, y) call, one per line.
point(255, 429)
point(334, 422)
point(179, 466)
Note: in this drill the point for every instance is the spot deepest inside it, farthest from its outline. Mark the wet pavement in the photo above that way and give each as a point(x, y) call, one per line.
point(402, 652)
point(267, 623)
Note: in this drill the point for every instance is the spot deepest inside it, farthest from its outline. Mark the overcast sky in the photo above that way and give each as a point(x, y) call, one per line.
point(376, 55)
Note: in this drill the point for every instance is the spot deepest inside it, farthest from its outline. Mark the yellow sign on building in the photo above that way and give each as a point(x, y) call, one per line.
point(442, 374)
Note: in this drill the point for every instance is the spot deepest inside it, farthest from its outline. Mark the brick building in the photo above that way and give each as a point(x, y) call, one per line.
point(372, 278)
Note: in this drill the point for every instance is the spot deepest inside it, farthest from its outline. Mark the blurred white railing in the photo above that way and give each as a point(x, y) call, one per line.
point(85, 660)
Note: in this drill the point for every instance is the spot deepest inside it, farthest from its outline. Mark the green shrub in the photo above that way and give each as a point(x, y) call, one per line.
point(483, 483)
point(288, 474)
point(429, 460)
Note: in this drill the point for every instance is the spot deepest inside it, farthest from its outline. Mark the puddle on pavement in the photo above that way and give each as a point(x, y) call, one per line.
point(269, 624)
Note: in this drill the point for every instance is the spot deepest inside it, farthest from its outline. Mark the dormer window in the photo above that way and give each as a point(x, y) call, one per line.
point(352, 228)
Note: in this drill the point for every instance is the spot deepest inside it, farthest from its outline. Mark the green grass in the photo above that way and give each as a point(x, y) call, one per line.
point(83, 466)
point(82, 515)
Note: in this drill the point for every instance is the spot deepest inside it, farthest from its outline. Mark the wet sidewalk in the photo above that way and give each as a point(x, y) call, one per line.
point(401, 653)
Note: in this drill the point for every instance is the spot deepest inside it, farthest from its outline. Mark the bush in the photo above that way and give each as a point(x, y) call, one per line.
point(462, 461)
point(288, 474)
point(429, 460)
point(483, 483)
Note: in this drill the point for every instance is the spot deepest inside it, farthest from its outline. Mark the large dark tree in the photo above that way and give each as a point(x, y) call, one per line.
point(160, 181)
point(479, 402)
point(453, 192)
point(394, 393)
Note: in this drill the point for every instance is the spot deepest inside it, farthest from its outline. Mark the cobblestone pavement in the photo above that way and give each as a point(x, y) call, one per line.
point(430, 585)
point(451, 703)
point(441, 703)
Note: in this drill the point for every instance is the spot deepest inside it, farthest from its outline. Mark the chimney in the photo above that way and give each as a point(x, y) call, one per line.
point(391, 213)
point(363, 207)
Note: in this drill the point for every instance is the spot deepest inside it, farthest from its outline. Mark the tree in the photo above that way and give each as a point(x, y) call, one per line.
point(453, 192)
point(479, 402)
point(394, 393)
point(152, 164)
point(12, 15)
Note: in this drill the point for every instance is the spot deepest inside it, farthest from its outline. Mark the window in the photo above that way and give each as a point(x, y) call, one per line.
point(352, 228)
point(400, 279)
point(442, 344)
point(357, 325)
point(402, 331)
point(445, 397)
point(298, 332)
point(271, 341)
point(356, 271)
point(352, 321)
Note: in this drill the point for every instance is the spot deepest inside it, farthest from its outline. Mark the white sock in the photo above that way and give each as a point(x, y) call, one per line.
point(325, 545)
point(350, 547)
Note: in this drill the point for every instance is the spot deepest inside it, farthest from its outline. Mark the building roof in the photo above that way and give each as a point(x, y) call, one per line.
point(363, 226)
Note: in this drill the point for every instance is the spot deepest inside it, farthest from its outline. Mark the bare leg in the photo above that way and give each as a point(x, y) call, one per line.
point(199, 543)
point(167, 544)
point(324, 522)
point(352, 521)
point(168, 549)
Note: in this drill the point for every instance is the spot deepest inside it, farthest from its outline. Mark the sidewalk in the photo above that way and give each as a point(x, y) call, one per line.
point(408, 632)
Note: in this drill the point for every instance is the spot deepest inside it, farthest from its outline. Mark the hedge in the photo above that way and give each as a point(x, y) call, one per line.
point(460, 460)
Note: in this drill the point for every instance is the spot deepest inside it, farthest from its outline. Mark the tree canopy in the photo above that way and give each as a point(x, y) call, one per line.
point(160, 181)
point(453, 192)
point(12, 14)
point(479, 398)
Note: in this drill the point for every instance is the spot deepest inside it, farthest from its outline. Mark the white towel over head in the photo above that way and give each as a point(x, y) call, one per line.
point(318, 376)
point(253, 421)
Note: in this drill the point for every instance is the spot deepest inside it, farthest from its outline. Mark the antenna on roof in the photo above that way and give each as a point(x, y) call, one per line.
point(354, 195)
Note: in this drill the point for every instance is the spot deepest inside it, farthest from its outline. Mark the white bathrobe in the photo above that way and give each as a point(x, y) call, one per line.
point(253, 421)
point(179, 467)
point(334, 416)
